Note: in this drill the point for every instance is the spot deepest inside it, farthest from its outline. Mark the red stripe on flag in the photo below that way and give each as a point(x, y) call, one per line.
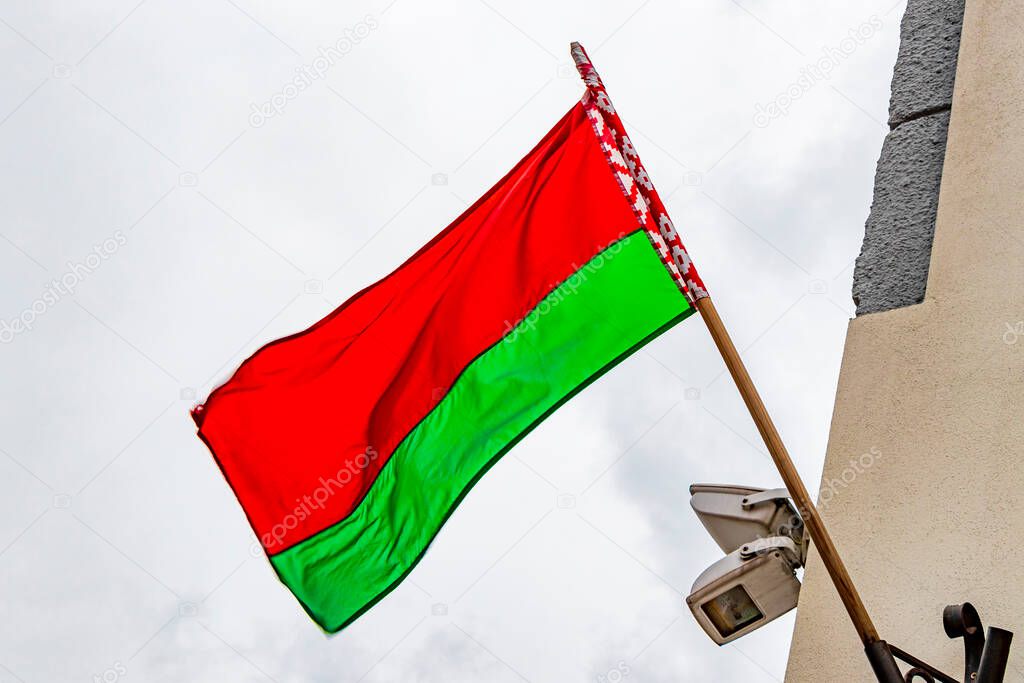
point(304, 426)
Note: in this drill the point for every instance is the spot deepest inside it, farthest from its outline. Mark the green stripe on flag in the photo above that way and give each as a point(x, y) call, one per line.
point(617, 302)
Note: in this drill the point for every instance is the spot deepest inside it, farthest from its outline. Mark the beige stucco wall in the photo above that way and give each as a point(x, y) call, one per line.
point(937, 390)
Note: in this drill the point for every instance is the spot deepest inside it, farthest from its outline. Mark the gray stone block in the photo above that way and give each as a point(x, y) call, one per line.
point(892, 269)
point(922, 81)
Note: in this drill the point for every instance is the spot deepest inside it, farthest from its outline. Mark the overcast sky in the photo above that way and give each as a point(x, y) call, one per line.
point(191, 208)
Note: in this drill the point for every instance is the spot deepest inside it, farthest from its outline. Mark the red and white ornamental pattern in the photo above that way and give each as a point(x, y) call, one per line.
point(634, 181)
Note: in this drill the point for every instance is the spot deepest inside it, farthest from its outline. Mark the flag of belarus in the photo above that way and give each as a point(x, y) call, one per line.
point(349, 444)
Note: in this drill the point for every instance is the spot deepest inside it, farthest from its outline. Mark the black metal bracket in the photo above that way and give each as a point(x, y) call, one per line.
point(926, 672)
point(985, 656)
point(962, 621)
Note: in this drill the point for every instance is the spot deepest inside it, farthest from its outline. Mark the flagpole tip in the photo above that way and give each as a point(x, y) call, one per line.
point(579, 55)
point(583, 65)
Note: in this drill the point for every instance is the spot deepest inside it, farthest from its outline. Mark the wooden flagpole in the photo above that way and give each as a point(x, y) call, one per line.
point(625, 161)
point(812, 520)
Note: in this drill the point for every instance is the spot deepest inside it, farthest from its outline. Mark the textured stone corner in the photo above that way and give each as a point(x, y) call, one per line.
point(922, 80)
point(892, 269)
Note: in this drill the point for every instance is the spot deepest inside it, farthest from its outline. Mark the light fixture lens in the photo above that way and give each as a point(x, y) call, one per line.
point(732, 610)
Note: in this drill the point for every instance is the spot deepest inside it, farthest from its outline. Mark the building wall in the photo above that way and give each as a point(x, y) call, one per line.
point(923, 487)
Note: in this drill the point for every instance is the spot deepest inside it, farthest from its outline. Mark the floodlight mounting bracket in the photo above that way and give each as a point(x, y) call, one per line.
point(778, 544)
point(767, 496)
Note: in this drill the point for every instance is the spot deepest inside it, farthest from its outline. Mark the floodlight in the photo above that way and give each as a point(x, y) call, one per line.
point(762, 535)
